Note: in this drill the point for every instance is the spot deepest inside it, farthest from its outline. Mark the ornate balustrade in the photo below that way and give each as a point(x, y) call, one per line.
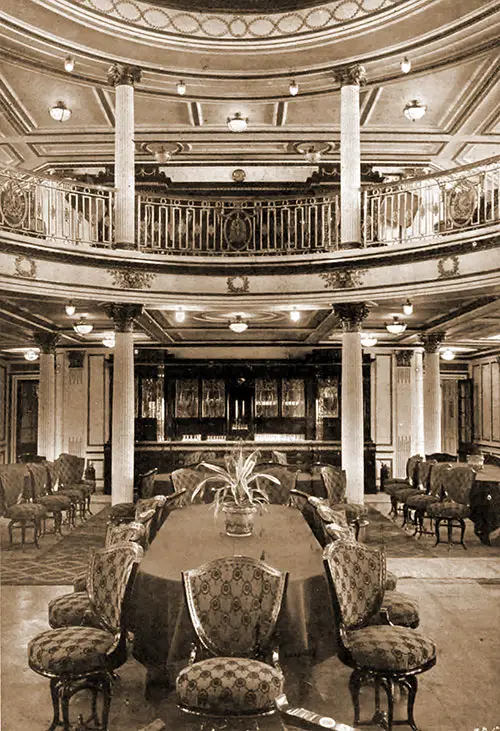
point(55, 209)
point(416, 210)
point(427, 207)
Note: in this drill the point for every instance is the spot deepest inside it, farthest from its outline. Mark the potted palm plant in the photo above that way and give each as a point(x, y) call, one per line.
point(239, 494)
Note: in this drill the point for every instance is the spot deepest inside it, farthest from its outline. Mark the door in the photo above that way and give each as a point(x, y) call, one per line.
point(26, 420)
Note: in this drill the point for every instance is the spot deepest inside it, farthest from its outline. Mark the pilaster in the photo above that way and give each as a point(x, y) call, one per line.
point(46, 441)
point(432, 391)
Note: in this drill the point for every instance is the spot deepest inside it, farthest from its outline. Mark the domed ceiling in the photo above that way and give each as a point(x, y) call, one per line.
point(237, 6)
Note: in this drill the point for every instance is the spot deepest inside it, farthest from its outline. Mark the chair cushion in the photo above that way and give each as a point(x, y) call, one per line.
point(402, 493)
point(420, 502)
point(392, 486)
point(80, 582)
point(353, 511)
point(390, 648)
point(55, 503)
point(26, 511)
point(329, 515)
point(401, 609)
point(72, 610)
point(86, 488)
point(232, 685)
point(122, 511)
point(390, 581)
point(72, 650)
point(448, 509)
point(74, 493)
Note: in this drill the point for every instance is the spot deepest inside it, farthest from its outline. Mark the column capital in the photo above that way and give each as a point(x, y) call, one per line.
point(431, 341)
point(354, 75)
point(403, 358)
point(123, 315)
point(351, 315)
point(121, 74)
point(46, 341)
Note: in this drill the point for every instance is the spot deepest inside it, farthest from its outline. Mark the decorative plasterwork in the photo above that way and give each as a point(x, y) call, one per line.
point(25, 267)
point(46, 341)
point(448, 267)
point(76, 358)
point(432, 341)
point(237, 285)
point(354, 75)
point(131, 278)
point(120, 74)
point(403, 358)
point(238, 27)
point(123, 315)
point(344, 278)
point(351, 315)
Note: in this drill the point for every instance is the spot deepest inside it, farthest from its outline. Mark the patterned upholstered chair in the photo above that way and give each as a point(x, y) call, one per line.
point(55, 505)
point(146, 484)
point(454, 508)
point(442, 457)
point(75, 609)
point(77, 658)
point(172, 502)
point(384, 655)
point(399, 489)
point(234, 605)
point(186, 480)
point(16, 502)
point(143, 489)
point(334, 482)
point(278, 494)
point(70, 482)
point(279, 457)
point(418, 503)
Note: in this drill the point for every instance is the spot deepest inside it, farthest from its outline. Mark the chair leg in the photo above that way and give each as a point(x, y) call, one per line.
point(106, 691)
point(54, 694)
point(437, 523)
point(394, 507)
point(412, 684)
point(354, 688)
point(387, 685)
point(462, 532)
point(11, 537)
point(65, 698)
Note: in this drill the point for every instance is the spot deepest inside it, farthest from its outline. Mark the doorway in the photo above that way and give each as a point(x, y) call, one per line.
point(24, 417)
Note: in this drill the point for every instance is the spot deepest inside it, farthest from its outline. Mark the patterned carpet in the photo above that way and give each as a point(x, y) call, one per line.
point(56, 562)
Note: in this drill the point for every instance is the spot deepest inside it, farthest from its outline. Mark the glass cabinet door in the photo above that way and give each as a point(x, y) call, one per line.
point(266, 398)
point(186, 398)
point(213, 398)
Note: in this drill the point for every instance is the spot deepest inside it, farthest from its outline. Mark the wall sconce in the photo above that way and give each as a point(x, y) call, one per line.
point(70, 308)
point(406, 65)
point(69, 64)
point(238, 325)
point(293, 88)
point(180, 314)
point(181, 88)
point(60, 112)
point(415, 110)
point(295, 314)
point(82, 327)
point(237, 123)
point(396, 327)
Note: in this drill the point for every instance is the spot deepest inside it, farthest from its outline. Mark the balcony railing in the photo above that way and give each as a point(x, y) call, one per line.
point(416, 210)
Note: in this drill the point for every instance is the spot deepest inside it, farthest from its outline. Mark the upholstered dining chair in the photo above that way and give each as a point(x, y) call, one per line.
point(234, 604)
point(70, 473)
point(278, 494)
point(419, 502)
point(55, 504)
point(78, 658)
point(400, 489)
point(186, 480)
point(16, 502)
point(383, 655)
point(453, 509)
point(143, 489)
point(334, 481)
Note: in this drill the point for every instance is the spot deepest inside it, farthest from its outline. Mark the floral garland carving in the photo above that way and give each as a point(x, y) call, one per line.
point(343, 279)
point(131, 278)
point(25, 267)
point(448, 267)
point(238, 285)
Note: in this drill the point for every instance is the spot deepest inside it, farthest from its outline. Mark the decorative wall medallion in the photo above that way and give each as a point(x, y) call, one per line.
point(76, 358)
point(131, 278)
point(238, 175)
point(13, 204)
point(25, 267)
point(403, 358)
point(237, 229)
point(462, 202)
point(448, 267)
point(344, 278)
point(237, 285)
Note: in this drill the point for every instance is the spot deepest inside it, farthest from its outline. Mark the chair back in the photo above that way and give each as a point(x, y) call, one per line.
point(124, 532)
point(458, 482)
point(110, 571)
point(15, 485)
point(278, 494)
point(52, 471)
point(334, 482)
point(356, 576)
point(234, 604)
point(40, 478)
point(436, 477)
point(146, 483)
point(412, 469)
point(70, 469)
point(279, 457)
point(442, 457)
point(187, 479)
point(424, 473)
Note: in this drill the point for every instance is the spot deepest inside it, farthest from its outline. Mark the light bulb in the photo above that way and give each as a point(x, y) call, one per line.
point(181, 88)
point(69, 64)
point(31, 354)
point(293, 88)
point(70, 308)
point(367, 340)
point(295, 315)
point(447, 354)
point(406, 65)
point(408, 308)
point(180, 315)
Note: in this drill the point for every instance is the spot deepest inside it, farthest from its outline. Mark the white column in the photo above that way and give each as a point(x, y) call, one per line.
point(123, 78)
point(122, 418)
point(403, 405)
point(352, 428)
point(417, 406)
point(350, 155)
point(46, 438)
point(432, 392)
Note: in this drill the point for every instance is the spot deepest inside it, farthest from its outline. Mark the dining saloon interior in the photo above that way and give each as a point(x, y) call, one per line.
point(249, 364)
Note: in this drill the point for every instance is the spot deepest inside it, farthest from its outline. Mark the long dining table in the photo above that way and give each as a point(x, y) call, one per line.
point(190, 537)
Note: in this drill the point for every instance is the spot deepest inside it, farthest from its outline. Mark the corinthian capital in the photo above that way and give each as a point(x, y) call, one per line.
point(432, 341)
point(351, 315)
point(123, 315)
point(351, 75)
point(119, 74)
point(46, 341)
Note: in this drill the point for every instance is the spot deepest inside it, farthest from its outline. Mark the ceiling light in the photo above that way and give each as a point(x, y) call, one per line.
point(60, 112)
point(237, 123)
point(31, 354)
point(415, 110)
point(70, 308)
point(406, 65)
point(162, 155)
point(293, 88)
point(181, 88)
point(395, 327)
point(447, 354)
point(109, 340)
point(367, 340)
point(180, 314)
point(238, 325)
point(408, 308)
point(69, 64)
point(82, 327)
point(295, 314)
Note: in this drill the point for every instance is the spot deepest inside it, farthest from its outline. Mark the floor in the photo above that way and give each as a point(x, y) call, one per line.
point(459, 607)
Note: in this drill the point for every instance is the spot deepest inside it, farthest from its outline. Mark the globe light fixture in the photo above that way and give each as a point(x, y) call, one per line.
point(70, 308)
point(237, 123)
point(60, 112)
point(293, 88)
point(69, 64)
point(181, 88)
point(415, 110)
point(396, 327)
point(162, 155)
point(447, 354)
point(238, 325)
point(295, 314)
point(180, 314)
point(408, 308)
point(31, 354)
point(367, 340)
point(82, 327)
point(109, 340)
point(406, 65)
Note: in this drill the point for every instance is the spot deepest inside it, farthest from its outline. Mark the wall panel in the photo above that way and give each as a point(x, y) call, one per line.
point(383, 431)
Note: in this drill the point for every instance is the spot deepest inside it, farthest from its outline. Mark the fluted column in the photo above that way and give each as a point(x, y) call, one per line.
point(432, 391)
point(122, 418)
point(123, 78)
point(417, 405)
point(350, 79)
point(403, 406)
point(352, 436)
point(46, 438)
